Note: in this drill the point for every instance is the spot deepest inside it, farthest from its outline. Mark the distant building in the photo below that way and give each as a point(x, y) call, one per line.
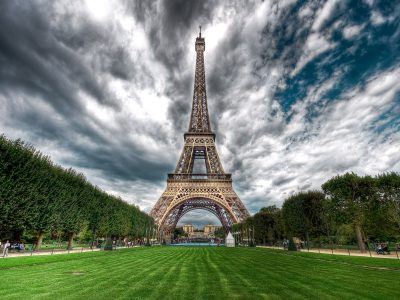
point(210, 229)
point(207, 232)
point(188, 228)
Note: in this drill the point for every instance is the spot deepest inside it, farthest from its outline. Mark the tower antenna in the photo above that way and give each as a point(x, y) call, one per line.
point(200, 31)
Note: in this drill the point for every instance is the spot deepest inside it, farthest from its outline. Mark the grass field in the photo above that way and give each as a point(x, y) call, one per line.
point(199, 273)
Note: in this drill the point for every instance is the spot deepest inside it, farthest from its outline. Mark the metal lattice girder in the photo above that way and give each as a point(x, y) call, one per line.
point(186, 191)
point(199, 119)
point(184, 194)
point(199, 146)
point(198, 203)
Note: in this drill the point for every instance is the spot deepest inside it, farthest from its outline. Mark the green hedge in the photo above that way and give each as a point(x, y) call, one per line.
point(39, 196)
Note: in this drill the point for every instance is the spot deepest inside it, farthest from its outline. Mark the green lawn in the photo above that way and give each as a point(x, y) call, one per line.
point(198, 273)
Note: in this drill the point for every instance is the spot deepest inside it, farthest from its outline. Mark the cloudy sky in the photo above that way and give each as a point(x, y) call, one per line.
point(298, 91)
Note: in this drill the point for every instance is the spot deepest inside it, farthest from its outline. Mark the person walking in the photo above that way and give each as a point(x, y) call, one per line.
point(5, 248)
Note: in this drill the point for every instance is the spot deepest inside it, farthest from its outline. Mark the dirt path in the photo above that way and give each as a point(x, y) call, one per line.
point(49, 252)
point(392, 255)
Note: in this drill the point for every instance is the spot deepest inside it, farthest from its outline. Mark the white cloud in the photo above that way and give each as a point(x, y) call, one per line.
point(351, 32)
point(377, 18)
point(315, 45)
point(319, 38)
point(341, 140)
point(199, 218)
point(325, 13)
point(98, 9)
point(306, 12)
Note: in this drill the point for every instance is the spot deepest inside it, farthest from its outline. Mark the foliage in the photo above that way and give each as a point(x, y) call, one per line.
point(350, 208)
point(220, 233)
point(178, 232)
point(38, 196)
point(304, 215)
point(388, 188)
point(364, 203)
point(262, 228)
point(268, 225)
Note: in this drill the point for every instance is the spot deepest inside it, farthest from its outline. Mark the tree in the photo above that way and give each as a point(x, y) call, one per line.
point(265, 226)
point(389, 195)
point(268, 225)
point(348, 197)
point(178, 232)
point(220, 233)
point(304, 215)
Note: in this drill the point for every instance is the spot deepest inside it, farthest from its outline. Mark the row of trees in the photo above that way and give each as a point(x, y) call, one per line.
point(40, 197)
point(349, 207)
point(264, 227)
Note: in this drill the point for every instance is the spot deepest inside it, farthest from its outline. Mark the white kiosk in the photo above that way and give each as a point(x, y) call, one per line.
point(229, 240)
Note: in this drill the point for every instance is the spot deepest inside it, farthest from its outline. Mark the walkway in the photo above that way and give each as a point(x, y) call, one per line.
point(393, 254)
point(49, 252)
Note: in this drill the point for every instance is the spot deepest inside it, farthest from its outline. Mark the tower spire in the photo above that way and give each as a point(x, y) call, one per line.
point(199, 119)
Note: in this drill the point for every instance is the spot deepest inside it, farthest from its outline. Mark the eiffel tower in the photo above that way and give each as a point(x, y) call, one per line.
point(187, 190)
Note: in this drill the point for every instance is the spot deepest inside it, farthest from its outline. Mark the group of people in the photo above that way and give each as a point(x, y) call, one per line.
point(130, 243)
point(382, 248)
point(7, 246)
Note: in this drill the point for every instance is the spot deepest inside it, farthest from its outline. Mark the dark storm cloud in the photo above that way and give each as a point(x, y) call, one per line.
point(34, 59)
point(170, 25)
point(116, 157)
point(119, 162)
point(40, 59)
point(281, 180)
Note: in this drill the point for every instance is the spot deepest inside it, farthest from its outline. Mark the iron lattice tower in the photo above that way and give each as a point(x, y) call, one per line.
point(187, 190)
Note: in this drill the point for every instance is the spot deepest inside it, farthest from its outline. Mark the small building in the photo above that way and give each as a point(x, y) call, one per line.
point(229, 240)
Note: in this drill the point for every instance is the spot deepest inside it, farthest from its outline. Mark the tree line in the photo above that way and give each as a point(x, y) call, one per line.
point(41, 197)
point(348, 208)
